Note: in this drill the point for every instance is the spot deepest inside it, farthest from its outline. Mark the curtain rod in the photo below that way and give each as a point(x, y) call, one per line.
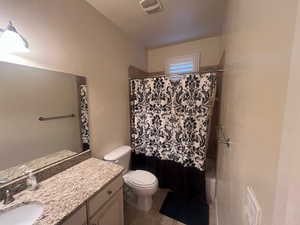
point(165, 74)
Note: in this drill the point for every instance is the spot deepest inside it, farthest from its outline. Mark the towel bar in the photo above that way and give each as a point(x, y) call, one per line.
point(55, 117)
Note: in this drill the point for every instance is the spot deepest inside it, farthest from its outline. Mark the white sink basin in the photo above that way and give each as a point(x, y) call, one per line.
point(23, 214)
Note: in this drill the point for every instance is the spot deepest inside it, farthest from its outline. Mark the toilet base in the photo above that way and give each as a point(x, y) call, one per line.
point(143, 203)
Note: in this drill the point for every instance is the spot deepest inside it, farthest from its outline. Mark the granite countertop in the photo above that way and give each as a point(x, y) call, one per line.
point(66, 191)
point(18, 171)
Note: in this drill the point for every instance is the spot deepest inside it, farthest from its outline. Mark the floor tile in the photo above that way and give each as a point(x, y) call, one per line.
point(166, 220)
point(154, 217)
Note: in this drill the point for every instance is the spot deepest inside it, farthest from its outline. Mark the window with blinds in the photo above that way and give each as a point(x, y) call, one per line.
point(176, 66)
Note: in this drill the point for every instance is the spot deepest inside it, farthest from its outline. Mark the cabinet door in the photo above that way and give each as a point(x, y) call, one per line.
point(79, 217)
point(111, 213)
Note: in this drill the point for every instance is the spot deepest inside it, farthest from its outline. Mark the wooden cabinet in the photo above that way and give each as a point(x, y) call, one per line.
point(104, 208)
point(79, 217)
point(111, 213)
point(101, 197)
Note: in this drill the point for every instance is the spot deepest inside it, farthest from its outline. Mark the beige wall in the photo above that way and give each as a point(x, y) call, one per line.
point(287, 211)
point(209, 49)
point(25, 95)
point(71, 36)
point(257, 40)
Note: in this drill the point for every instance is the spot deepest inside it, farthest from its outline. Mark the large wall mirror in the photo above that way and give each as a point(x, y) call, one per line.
point(43, 118)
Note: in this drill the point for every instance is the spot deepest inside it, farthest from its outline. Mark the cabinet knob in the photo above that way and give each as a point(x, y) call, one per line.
point(109, 192)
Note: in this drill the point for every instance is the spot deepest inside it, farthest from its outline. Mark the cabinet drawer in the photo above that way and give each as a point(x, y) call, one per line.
point(77, 218)
point(95, 203)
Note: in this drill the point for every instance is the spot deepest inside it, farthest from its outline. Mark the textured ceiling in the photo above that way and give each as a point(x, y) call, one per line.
point(180, 20)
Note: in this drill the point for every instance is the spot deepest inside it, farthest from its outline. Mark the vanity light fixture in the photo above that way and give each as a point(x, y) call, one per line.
point(11, 41)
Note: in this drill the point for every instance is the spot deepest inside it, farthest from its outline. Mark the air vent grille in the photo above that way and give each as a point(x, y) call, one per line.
point(151, 6)
point(148, 3)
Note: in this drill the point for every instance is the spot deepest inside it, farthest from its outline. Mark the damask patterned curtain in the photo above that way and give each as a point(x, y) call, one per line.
point(84, 118)
point(170, 119)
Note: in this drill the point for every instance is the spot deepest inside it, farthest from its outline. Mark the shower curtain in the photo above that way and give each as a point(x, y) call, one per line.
point(169, 128)
point(84, 118)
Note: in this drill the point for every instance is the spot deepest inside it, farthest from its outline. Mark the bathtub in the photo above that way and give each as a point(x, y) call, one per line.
point(210, 180)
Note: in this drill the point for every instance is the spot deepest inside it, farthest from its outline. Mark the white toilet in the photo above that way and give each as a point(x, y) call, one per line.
point(142, 184)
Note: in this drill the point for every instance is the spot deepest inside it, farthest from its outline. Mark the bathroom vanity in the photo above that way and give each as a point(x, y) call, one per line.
point(89, 193)
point(47, 139)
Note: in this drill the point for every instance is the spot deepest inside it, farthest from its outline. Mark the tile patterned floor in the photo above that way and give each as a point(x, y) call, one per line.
point(153, 217)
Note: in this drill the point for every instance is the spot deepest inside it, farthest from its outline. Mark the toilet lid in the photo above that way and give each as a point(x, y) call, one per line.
point(140, 178)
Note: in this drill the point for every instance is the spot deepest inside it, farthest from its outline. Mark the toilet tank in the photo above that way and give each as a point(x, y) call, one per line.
point(120, 156)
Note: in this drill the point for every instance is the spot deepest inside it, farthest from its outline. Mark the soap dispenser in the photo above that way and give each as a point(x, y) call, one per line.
point(31, 180)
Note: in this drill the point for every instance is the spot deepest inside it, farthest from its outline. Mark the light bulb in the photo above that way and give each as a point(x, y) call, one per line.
point(12, 42)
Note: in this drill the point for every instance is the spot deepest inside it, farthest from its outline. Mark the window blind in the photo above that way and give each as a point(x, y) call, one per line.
point(178, 65)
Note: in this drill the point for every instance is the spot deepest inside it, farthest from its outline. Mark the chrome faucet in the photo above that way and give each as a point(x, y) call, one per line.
point(8, 197)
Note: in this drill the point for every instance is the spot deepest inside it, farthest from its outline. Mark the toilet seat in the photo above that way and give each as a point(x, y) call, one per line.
point(140, 179)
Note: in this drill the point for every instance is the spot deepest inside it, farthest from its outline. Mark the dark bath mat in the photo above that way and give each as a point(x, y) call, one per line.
point(189, 211)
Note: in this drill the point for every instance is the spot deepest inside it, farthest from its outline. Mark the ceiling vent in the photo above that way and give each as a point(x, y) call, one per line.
point(151, 6)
